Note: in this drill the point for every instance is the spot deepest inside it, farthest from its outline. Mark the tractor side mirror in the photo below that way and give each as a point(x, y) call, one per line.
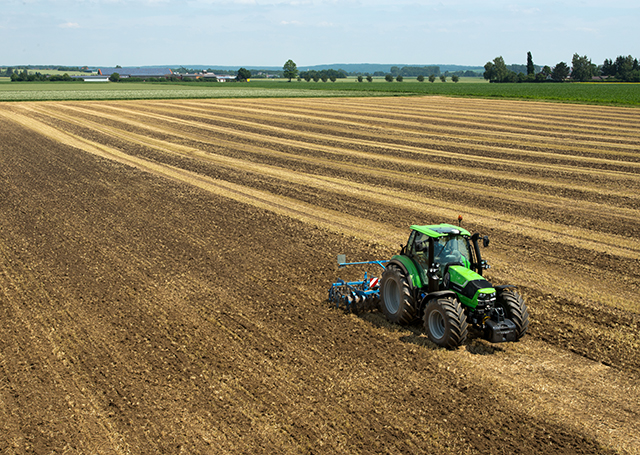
point(342, 260)
point(485, 241)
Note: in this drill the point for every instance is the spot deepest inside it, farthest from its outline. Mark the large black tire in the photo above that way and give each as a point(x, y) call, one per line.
point(445, 322)
point(396, 299)
point(515, 309)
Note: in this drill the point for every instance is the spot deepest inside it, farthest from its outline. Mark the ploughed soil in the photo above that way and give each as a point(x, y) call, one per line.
point(144, 312)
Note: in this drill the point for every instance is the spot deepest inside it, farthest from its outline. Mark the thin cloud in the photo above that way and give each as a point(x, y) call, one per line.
point(69, 25)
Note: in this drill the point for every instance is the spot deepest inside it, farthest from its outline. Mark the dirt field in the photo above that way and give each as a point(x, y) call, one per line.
point(164, 267)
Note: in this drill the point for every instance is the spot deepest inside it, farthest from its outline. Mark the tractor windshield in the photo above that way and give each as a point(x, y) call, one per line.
point(452, 250)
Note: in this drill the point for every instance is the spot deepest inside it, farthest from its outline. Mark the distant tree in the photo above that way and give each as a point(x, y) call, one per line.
point(369, 78)
point(455, 78)
point(332, 78)
point(115, 77)
point(290, 69)
point(359, 79)
point(443, 78)
point(307, 76)
point(581, 68)
point(626, 68)
point(511, 77)
point(608, 68)
point(324, 77)
point(560, 72)
point(316, 77)
point(399, 78)
point(432, 78)
point(531, 69)
point(388, 78)
point(420, 78)
point(243, 75)
point(496, 71)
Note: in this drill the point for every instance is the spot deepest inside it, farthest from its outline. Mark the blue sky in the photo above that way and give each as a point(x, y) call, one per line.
point(269, 32)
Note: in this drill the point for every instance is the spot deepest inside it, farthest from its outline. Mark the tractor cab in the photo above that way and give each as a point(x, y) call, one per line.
point(449, 249)
point(434, 249)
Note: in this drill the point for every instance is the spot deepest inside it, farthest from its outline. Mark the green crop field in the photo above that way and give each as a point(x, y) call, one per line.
point(591, 93)
point(69, 91)
point(620, 94)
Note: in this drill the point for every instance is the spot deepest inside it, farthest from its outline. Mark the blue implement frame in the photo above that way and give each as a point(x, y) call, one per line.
point(356, 296)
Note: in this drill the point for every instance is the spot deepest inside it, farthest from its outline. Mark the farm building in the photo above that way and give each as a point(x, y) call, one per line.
point(205, 75)
point(92, 78)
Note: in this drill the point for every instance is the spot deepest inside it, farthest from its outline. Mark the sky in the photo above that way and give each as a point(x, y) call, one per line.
point(313, 32)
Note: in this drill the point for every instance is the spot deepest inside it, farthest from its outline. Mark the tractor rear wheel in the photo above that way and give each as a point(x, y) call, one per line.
point(445, 322)
point(396, 299)
point(515, 309)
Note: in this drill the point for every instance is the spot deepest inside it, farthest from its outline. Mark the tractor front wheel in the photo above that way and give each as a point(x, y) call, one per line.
point(397, 301)
point(515, 309)
point(445, 322)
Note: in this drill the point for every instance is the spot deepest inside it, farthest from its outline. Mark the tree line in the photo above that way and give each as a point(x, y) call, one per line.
point(323, 75)
point(24, 76)
point(414, 71)
point(623, 69)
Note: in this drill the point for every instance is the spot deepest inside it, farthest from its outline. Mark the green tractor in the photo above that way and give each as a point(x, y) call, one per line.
point(437, 276)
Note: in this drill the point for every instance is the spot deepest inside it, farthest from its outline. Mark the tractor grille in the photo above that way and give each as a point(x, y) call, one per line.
point(487, 300)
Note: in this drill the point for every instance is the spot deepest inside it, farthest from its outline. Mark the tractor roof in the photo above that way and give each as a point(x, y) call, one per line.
point(440, 230)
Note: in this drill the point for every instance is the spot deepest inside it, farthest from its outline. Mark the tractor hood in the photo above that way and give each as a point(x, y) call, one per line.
point(469, 285)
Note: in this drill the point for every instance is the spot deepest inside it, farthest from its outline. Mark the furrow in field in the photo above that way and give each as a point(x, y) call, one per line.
point(398, 143)
point(576, 149)
point(425, 111)
point(521, 232)
point(285, 206)
point(430, 117)
point(521, 197)
point(419, 157)
point(608, 215)
point(518, 147)
point(554, 233)
point(500, 113)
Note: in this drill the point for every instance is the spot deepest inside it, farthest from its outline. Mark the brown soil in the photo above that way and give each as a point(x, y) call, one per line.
point(164, 269)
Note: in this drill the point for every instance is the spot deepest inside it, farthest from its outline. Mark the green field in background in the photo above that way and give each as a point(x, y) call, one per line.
point(621, 94)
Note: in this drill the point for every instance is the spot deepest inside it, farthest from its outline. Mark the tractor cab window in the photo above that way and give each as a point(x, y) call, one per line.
point(420, 251)
point(420, 244)
point(452, 250)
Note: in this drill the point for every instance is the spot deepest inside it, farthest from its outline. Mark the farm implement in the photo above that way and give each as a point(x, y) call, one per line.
point(437, 278)
point(356, 296)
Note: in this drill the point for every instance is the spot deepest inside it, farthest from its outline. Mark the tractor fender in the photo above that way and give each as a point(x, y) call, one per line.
point(438, 294)
point(434, 295)
point(502, 287)
point(409, 268)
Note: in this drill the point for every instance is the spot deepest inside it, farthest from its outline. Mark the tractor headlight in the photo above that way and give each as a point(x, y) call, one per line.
point(487, 300)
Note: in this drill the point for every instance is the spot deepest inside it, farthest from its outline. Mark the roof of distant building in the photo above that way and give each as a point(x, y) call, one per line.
point(136, 72)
